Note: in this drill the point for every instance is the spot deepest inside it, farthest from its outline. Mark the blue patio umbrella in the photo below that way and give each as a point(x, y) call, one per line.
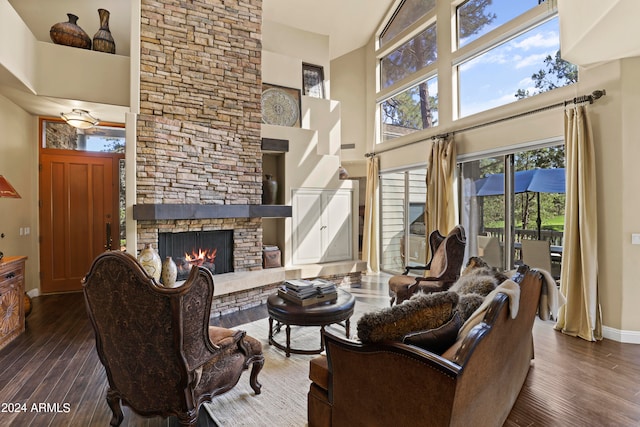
point(532, 180)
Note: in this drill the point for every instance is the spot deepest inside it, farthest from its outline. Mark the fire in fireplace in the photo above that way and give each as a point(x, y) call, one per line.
point(212, 250)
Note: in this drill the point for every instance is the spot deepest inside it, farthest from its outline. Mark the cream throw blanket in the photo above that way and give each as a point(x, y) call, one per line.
point(551, 299)
point(510, 289)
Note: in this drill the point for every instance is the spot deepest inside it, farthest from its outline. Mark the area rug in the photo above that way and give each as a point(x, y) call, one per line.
point(285, 380)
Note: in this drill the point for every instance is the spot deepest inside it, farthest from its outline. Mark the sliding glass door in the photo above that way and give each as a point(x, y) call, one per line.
point(533, 208)
point(403, 240)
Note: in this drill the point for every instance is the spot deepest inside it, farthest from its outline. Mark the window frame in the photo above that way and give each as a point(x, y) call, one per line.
point(449, 57)
point(307, 89)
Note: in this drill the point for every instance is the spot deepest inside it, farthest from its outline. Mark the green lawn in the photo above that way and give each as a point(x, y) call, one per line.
point(556, 223)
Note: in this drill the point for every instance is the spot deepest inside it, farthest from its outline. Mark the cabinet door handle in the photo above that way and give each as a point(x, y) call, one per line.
point(10, 276)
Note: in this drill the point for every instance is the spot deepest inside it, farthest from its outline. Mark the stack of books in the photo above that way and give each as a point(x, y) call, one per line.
point(308, 292)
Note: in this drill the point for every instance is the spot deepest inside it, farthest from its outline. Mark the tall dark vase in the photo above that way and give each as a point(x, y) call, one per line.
point(70, 34)
point(269, 190)
point(103, 40)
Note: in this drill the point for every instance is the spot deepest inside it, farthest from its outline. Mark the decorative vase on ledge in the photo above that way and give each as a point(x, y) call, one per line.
point(103, 40)
point(269, 190)
point(70, 34)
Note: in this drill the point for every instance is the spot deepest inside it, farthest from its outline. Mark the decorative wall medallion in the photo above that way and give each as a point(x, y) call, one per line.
point(280, 106)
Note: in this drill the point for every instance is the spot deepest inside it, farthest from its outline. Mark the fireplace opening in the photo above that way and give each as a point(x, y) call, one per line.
point(210, 249)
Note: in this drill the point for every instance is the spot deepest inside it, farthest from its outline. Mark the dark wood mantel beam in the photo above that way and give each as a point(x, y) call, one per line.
point(195, 211)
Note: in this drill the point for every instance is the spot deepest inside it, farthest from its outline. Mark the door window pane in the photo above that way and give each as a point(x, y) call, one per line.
point(402, 219)
point(392, 222)
point(483, 209)
point(540, 201)
point(416, 249)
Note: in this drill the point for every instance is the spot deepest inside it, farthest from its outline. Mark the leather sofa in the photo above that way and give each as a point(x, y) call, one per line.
point(474, 382)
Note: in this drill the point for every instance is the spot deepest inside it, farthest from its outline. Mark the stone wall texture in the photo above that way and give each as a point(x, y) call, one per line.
point(198, 131)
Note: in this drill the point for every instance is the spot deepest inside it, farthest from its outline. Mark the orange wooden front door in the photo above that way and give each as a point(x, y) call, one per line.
point(78, 207)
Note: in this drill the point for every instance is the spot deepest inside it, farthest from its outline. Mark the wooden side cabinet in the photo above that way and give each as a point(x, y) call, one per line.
point(11, 298)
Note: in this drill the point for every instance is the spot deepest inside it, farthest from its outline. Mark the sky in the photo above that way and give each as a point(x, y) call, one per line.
point(493, 78)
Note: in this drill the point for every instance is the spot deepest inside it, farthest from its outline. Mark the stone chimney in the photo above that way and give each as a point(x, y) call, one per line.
point(198, 132)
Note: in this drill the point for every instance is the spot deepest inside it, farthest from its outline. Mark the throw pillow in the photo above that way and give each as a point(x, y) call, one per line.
point(421, 312)
point(439, 339)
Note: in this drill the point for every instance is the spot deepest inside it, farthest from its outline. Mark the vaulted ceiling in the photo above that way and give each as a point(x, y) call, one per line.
point(591, 30)
point(349, 25)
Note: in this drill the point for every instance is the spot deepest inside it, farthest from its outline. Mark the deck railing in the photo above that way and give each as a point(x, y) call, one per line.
point(555, 237)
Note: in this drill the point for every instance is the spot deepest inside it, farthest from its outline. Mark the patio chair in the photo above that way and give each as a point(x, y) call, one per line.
point(537, 254)
point(490, 251)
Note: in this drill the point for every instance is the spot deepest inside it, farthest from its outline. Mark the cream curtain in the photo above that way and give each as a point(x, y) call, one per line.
point(440, 208)
point(581, 315)
point(370, 238)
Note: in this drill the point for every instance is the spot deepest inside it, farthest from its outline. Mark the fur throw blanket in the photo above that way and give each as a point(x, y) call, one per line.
point(477, 281)
point(425, 311)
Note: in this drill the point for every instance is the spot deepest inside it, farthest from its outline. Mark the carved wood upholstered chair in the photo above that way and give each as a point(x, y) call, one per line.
point(160, 354)
point(444, 267)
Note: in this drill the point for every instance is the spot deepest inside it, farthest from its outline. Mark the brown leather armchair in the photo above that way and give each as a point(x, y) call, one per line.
point(159, 352)
point(444, 267)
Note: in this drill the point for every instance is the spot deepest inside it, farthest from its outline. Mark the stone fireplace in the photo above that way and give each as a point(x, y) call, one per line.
point(199, 159)
point(198, 138)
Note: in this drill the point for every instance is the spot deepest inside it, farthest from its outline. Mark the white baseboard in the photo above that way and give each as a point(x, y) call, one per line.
point(629, 337)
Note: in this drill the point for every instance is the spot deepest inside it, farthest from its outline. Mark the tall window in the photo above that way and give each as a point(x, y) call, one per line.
point(521, 67)
point(408, 80)
point(502, 51)
point(476, 18)
point(507, 50)
point(413, 109)
point(409, 12)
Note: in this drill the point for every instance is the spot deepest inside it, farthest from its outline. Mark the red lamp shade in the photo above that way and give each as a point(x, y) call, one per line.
point(7, 190)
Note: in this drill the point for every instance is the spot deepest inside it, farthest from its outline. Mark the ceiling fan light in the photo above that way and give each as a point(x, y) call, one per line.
point(80, 119)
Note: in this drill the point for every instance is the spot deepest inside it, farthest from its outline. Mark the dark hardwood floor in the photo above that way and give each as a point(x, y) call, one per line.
point(53, 373)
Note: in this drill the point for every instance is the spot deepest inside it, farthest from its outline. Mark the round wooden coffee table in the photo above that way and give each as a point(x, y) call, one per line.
point(323, 314)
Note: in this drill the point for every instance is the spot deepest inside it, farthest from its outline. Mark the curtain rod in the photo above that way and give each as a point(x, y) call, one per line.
point(596, 94)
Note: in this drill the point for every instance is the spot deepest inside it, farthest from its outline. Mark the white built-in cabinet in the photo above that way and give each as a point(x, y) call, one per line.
point(322, 225)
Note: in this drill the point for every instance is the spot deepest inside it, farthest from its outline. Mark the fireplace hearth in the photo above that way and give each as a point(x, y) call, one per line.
point(212, 250)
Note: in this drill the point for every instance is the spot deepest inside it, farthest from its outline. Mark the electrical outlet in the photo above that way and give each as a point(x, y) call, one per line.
point(21, 231)
point(27, 231)
point(635, 238)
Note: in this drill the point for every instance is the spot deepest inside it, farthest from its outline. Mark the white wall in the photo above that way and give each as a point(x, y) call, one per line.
point(19, 165)
point(314, 152)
